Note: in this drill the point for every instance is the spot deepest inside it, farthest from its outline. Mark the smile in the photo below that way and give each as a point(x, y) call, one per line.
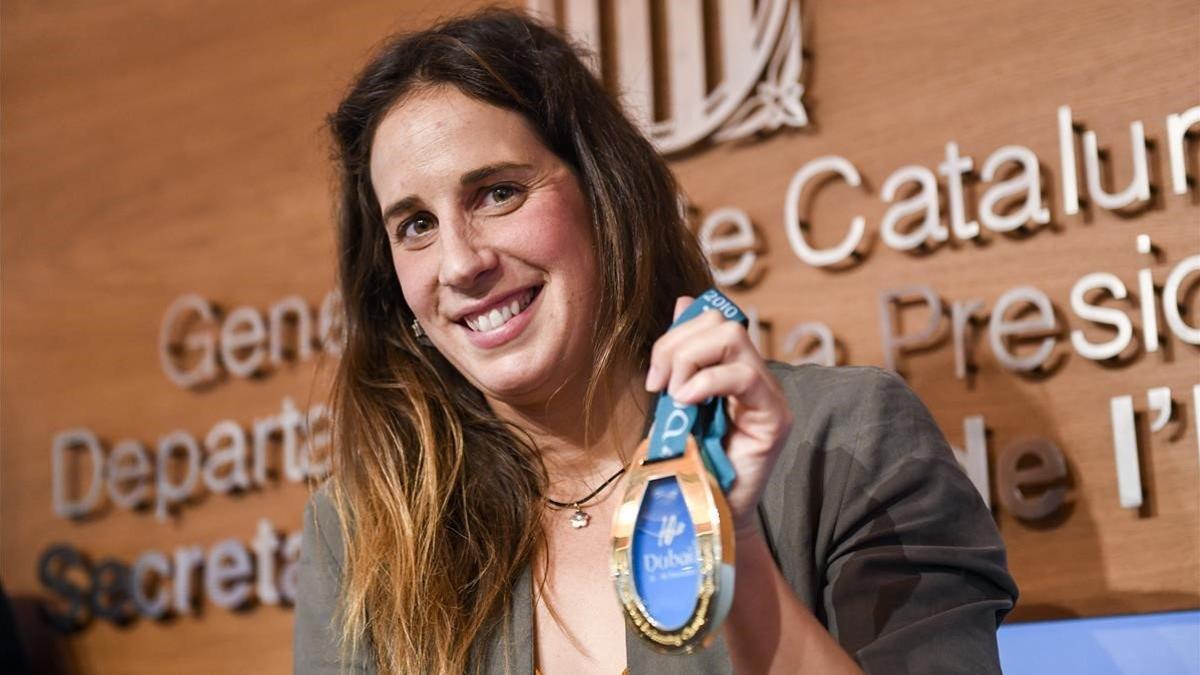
point(492, 319)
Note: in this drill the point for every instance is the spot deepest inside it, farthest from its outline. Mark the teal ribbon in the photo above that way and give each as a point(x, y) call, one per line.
point(707, 422)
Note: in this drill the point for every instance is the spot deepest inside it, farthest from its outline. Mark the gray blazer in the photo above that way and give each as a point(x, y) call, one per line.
point(875, 527)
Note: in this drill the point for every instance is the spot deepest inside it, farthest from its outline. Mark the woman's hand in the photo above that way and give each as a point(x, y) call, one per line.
point(769, 629)
point(711, 356)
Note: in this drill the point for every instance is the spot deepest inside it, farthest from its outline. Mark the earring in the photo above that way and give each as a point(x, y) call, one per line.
point(419, 333)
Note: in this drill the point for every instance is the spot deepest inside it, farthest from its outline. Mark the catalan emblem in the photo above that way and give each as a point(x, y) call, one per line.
point(754, 50)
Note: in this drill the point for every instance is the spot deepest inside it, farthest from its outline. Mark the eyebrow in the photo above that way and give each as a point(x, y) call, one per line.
point(469, 178)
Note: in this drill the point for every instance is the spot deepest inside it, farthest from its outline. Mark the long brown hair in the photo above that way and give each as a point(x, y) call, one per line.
point(439, 500)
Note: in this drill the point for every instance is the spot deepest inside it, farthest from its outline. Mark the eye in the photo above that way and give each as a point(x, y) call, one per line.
point(412, 230)
point(504, 194)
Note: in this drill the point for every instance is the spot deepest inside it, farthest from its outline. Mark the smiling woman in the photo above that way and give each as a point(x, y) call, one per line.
point(511, 257)
point(491, 241)
point(485, 176)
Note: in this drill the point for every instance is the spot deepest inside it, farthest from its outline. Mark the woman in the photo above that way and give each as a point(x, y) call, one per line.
point(511, 253)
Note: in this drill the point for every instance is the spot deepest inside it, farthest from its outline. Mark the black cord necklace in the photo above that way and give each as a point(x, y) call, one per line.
point(580, 519)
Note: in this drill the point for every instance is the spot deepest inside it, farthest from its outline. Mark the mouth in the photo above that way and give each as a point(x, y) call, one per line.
point(497, 316)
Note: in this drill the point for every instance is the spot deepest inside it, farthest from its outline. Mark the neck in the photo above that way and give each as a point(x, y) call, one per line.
point(577, 458)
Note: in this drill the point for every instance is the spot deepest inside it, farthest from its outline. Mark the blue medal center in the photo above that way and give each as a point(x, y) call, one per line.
point(666, 559)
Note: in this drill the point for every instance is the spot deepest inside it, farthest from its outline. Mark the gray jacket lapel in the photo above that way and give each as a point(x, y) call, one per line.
point(510, 649)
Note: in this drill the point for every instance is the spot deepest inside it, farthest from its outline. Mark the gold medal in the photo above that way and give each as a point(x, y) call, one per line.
point(673, 551)
point(672, 542)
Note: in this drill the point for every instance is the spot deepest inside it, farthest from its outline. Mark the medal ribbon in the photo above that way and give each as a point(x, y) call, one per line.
point(706, 422)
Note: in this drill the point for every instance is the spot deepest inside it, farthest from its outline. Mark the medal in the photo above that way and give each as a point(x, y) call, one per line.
point(673, 542)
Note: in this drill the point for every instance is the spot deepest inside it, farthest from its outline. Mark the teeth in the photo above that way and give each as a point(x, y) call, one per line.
point(499, 316)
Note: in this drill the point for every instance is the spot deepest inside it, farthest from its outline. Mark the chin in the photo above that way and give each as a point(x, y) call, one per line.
point(520, 383)
point(515, 387)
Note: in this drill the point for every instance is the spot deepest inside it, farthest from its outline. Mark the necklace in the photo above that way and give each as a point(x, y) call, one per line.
point(580, 519)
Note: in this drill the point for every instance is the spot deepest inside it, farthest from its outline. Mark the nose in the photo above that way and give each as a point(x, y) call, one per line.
point(466, 258)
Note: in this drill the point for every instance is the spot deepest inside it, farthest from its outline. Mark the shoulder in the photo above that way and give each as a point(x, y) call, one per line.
point(860, 438)
point(811, 383)
point(837, 389)
point(316, 647)
point(879, 529)
point(322, 537)
point(851, 407)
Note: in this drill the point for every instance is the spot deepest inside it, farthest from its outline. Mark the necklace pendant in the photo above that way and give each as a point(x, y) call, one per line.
point(579, 519)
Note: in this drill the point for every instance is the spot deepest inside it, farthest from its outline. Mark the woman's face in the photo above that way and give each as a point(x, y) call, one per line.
point(491, 242)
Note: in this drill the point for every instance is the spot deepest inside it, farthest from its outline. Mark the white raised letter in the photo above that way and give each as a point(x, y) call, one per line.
point(1028, 181)
point(1170, 301)
point(999, 328)
point(739, 242)
point(298, 308)
point(1129, 472)
point(63, 442)
point(925, 200)
point(227, 574)
point(1158, 400)
point(954, 168)
point(825, 353)
point(128, 462)
point(1066, 155)
point(893, 343)
point(168, 492)
point(791, 212)
point(1177, 132)
point(205, 370)
point(1089, 312)
point(226, 446)
point(242, 336)
point(1146, 293)
point(266, 545)
point(156, 562)
point(962, 314)
point(187, 559)
point(1139, 186)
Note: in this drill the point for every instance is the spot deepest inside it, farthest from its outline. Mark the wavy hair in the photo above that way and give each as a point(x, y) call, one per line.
point(440, 501)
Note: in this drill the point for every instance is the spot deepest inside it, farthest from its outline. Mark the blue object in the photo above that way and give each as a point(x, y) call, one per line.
point(666, 556)
point(674, 422)
point(1159, 644)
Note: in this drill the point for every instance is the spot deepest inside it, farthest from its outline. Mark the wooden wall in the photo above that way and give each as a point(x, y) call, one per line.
point(153, 149)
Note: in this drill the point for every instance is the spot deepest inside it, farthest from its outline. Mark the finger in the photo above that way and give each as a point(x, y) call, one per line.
point(681, 304)
point(725, 343)
point(755, 402)
point(655, 376)
point(750, 387)
point(665, 346)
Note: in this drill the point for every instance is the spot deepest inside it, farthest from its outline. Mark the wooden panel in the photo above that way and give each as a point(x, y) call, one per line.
point(583, 24)
point(686, 48)
point(890, 85)
point(152, 150)
point(635, 77)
